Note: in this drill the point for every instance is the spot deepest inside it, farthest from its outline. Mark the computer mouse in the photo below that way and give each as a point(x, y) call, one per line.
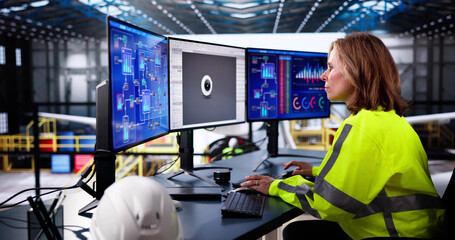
point(287, 174)
point(245, 190)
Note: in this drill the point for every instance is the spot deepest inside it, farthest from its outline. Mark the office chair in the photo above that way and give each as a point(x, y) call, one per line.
point(449, 200)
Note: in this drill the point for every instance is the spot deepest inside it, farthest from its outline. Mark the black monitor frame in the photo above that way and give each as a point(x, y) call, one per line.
point(207, 124)
point(105, 153)
point(185, 139)
point(272, 124)
point(111, 146)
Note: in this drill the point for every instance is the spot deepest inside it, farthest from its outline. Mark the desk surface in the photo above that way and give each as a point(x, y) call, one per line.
point(201, 219)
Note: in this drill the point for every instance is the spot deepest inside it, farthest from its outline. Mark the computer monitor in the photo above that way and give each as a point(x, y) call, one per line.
point(284, 85)
point(138, 79)
point(132, 107)
point(206, 89)
point(207, 84)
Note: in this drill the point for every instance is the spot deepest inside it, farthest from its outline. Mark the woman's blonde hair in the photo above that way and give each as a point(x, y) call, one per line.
point(369, 67)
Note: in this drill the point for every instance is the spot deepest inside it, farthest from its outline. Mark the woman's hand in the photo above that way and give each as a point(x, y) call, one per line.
point(302, 168)
point(259, 183)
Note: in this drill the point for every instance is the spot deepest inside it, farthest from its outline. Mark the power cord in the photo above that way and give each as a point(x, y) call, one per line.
point(80, 183)
point(157, 172)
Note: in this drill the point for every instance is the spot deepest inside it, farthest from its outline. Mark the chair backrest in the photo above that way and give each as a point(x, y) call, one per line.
point(449, 200)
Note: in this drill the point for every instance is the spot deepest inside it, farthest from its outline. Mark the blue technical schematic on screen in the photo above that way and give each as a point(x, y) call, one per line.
point(139, 84)
point(286, 85)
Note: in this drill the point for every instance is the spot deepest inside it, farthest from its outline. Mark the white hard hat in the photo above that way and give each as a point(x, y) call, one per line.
point(136, 208)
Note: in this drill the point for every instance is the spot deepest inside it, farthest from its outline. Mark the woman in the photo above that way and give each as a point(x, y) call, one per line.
point(374, 181)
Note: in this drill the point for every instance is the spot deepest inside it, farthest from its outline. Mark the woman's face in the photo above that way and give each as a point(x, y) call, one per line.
point(338, 88)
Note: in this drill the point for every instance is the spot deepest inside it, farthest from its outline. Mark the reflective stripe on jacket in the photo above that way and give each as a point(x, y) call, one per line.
point(374, 181)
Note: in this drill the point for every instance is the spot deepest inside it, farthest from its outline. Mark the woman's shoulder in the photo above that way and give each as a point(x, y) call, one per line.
point(375, 119)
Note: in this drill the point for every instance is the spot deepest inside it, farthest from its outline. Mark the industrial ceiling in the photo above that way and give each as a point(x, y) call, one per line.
point(61, 20)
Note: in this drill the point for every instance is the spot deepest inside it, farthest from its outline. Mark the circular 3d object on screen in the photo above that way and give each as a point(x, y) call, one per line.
point(206, 85)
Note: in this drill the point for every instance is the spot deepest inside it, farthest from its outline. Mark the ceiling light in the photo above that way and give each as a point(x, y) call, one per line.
point(169, 15)
point(207, 24)
point(243, 15)
point(310, 13)
point(241, 5)
point(18, 8)
point(278, 16)
point(91, 2)
point(39, 3)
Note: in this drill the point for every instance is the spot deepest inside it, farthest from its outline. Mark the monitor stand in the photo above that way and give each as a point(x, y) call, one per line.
point(272, 146)
point(105, 176)
point(186, 152)
point(104, 159)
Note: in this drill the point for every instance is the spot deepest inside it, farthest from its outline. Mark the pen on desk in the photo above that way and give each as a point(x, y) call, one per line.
point(54, 203)
point(59, 203)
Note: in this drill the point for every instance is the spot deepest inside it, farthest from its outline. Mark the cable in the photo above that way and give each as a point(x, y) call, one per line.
point(172, 164)
point(55, 189)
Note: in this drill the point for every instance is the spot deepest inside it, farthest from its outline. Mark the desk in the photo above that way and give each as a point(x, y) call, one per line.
point(201, 219)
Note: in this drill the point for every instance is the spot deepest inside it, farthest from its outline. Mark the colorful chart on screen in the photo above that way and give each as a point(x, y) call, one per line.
point(286, 85)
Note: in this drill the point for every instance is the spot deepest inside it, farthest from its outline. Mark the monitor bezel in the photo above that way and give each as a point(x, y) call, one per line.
point(110, 141)
point(247, 87)
point(211, 125)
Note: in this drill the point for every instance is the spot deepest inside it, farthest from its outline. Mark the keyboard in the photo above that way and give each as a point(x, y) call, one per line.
point(241, 204)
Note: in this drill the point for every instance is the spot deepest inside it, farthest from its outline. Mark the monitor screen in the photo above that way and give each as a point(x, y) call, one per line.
point(206, 84)
point(285, 85)
point(138, 77)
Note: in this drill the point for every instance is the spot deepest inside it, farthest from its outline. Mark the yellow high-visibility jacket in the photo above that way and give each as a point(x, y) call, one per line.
point(374, 181)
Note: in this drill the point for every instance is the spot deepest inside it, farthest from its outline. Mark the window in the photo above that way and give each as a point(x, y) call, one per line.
point(18, 57)
point(2, 55)
point(3, 123)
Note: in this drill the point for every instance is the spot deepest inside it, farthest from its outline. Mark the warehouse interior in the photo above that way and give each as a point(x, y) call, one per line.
point(54, 53)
